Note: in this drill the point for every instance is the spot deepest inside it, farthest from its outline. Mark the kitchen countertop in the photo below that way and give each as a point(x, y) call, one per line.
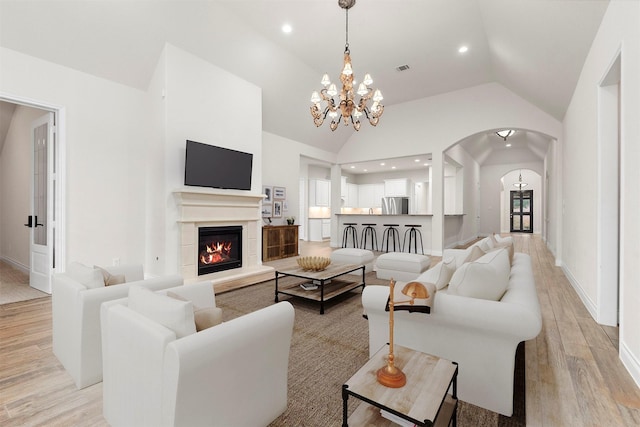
point(380, 215)
point(340, 214)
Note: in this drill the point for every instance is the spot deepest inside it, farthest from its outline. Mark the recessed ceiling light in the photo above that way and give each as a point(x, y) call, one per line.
point(463, 49)
point(417, 160)
point(393, 167)
point(353, 167)
point(508, 144)
point(426, 164)
point(366, 170)
point(286, 28)
point(382, 164)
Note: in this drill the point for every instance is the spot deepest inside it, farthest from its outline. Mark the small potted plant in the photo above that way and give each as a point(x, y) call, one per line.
point(291, 220)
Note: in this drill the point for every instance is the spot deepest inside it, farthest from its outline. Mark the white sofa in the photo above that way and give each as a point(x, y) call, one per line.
point(232, 374)
point(76, 298)
point(480, 334)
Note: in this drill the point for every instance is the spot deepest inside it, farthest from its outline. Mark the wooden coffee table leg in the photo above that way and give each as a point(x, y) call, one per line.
point(321, 296)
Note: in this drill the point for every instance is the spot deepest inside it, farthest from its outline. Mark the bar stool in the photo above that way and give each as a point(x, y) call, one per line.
point(369, 232)
point(390, 233)
point(349, 231)
point(414, 233)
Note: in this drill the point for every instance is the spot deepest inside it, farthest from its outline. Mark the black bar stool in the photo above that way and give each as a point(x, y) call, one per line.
point(414, 233)
point(390, 233)
point(369, 232)
point(349, 231)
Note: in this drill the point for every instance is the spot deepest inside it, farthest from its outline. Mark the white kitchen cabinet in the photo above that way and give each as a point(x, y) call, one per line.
point(397, 187)
point(326, 228)
point(319, 229)
point(378, 194)
point(319, 192)
point(315, 230)
point(351, 201)
point(365, 196)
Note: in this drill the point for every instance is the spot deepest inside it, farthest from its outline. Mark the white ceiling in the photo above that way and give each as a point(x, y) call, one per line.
point(535, 48)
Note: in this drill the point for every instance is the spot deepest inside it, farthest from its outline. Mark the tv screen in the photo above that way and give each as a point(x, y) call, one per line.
point(217, 167)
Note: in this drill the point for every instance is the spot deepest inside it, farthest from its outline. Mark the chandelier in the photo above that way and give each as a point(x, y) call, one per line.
point(345, 105)
point(520, 185)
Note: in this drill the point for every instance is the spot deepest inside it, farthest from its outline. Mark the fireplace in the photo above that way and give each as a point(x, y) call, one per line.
point(219, 248)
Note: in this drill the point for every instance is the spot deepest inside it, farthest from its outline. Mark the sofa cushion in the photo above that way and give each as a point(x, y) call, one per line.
point(486, 244)
point(204, 317)
point(91, 278)
point(110, 279)
point(509, 247)
point(207, 317)
point(500, 239)
point(440, 274)
point(169, 312)
point(475, 253)
point(486, 278)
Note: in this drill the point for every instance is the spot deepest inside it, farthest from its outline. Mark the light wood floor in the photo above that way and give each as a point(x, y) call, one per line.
point(573, 374)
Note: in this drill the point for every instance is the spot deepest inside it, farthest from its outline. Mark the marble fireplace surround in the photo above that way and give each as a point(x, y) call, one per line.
point(215, 208)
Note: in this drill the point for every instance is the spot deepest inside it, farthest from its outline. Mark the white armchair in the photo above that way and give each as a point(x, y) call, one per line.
point(76, 298)
point(232, 374)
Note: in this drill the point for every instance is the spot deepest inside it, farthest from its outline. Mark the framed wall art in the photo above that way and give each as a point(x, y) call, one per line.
point(277, 209)
point(279, 193)
point(267, 191)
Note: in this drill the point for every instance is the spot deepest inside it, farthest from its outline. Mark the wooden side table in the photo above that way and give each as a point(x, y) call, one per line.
point(424, 400)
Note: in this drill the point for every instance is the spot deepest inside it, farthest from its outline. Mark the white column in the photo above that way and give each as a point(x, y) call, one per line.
point(437, 197)
point(336, 204)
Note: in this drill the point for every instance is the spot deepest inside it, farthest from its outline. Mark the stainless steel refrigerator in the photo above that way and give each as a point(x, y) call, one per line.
point(395, 206)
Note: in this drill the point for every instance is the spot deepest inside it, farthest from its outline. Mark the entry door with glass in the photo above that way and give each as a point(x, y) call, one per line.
point(522, 211)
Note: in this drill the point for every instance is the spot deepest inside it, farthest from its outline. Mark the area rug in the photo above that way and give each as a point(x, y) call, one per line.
point(326, 350)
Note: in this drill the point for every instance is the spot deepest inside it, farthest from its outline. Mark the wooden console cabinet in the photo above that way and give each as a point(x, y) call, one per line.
point(279, 241)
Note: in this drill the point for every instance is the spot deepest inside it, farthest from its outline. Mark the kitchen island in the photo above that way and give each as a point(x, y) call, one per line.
point(424, 220)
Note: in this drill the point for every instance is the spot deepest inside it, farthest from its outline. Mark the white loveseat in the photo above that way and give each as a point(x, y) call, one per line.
point(480, 334)
point(158, 373)
point(76, 298)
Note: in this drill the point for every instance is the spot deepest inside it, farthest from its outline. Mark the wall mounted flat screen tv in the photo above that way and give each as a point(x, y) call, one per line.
point(217, 167)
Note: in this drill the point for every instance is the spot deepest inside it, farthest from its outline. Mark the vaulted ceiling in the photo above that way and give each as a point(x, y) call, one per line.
point(535, 48)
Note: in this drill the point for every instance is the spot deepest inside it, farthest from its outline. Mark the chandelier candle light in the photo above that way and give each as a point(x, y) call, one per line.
point(349, 109)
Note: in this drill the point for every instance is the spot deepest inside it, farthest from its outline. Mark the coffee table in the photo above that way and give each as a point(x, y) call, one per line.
point(330, 282)
point(424, 400)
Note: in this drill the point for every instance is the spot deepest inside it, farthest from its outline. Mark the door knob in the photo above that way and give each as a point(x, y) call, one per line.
point(29, 222)
point(36, 221)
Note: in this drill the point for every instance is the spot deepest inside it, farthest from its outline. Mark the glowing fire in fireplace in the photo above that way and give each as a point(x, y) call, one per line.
point(216, 252)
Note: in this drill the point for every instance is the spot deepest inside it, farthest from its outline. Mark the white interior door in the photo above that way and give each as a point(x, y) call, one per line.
point(41, 220)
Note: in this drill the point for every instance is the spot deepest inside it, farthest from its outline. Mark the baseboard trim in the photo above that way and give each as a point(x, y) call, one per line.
point(630, 362)
point(588, 303)
point(15, 264)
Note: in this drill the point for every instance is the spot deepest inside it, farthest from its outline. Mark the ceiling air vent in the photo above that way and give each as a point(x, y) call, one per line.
point(402, 68)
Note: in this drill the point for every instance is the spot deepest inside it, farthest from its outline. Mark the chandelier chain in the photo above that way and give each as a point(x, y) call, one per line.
point(346, 31)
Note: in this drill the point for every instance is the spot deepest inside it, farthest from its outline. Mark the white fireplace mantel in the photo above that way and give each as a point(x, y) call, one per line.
point(215, 208)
